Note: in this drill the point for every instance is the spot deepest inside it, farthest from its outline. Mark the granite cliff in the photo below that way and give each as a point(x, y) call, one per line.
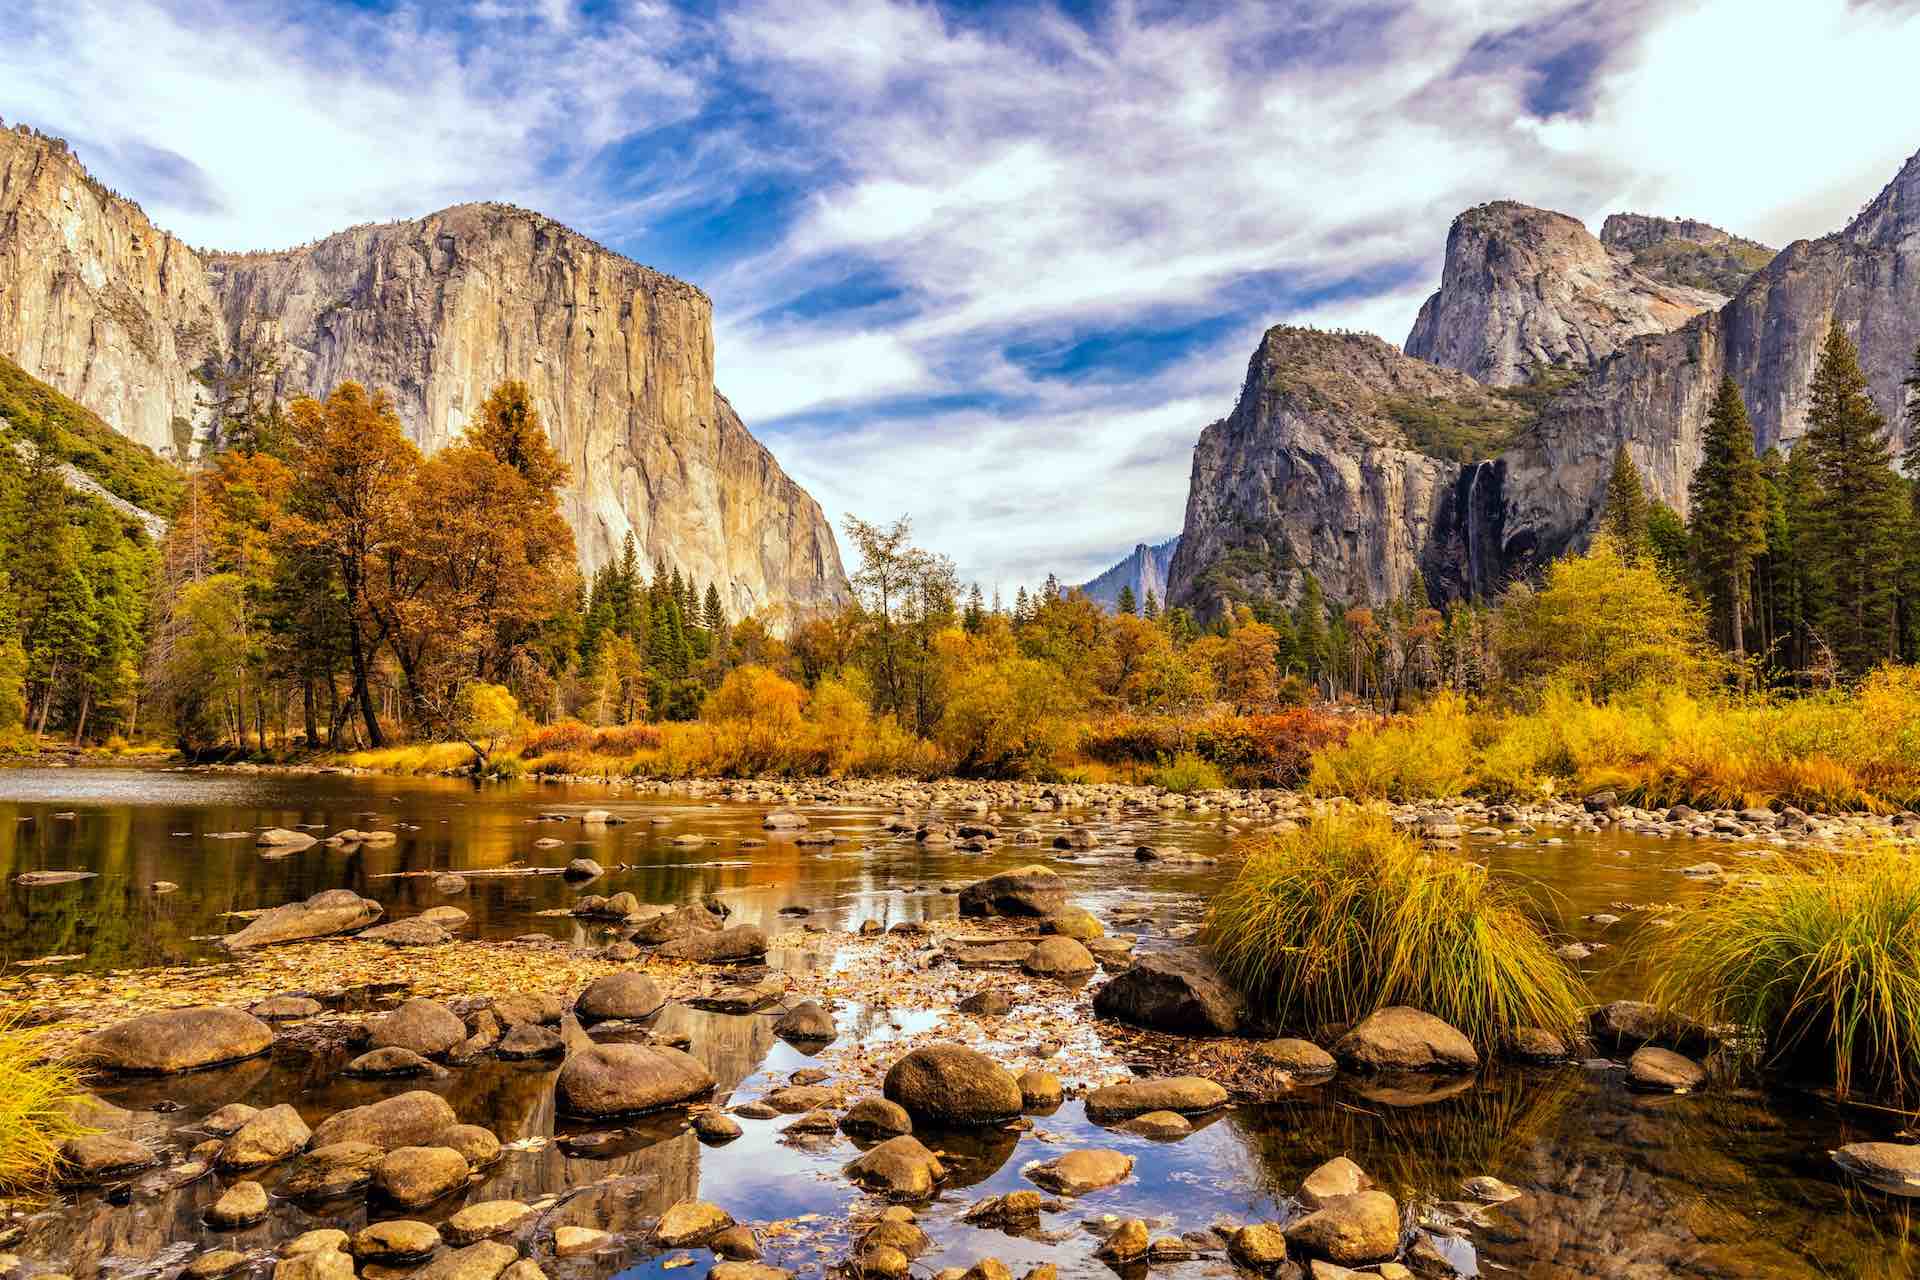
point(435, 310)
point(1365, 465)
point(1525, 288)
point(1144, 570)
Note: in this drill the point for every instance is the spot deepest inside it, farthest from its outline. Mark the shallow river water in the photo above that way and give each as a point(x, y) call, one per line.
point(1616, 1183)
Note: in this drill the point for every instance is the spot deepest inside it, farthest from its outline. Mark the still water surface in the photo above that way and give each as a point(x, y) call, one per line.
point(1617, 1184)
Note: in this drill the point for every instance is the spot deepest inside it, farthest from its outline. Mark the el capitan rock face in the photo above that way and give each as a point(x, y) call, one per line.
point(1525, 288)
point(436, 311)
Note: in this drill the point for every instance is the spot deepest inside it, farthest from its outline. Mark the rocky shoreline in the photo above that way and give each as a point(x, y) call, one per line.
point(960, 1032)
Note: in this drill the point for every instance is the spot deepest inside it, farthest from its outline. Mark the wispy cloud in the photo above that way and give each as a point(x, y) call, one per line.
point(995, 266)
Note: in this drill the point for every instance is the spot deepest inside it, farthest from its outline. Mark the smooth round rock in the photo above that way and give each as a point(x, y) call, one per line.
point(900, 1168)
point(267, 1138)
point(177, 1040)
point(1078, 1172)
point(415, 1176)
point(484, 1221)
point(620, 995)
point(396, 1240)
point(1351, 1231)
point(408, 1119)
point(241, 1205)
point(625, 1079)
point(1655, 1068)
point(1398, 1038)
point(690, 1222)
point(1188, 1095)
point(424, 1026)
point(951, 1085)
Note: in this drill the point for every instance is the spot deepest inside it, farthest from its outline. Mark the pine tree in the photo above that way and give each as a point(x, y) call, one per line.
point(1022, 608)
point(975, 617)
point(1310, 624)
point(1152, 613)
point(1127, 604)
point(1729, 515)
point(713, 615)
point(1859, 510)
point(1623, 514)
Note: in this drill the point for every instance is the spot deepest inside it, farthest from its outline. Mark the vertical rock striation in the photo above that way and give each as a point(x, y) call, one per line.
point(1145, 571)
point(436, 311)
point(94, 299)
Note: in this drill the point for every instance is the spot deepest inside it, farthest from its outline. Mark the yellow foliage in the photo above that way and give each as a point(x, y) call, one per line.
point(1427, 755)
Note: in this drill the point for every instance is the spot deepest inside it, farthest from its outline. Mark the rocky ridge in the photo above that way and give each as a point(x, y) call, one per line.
point(1327, 464)
point(113, 311)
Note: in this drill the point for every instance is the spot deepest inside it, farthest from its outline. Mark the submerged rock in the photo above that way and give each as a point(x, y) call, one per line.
point(101, 1157)
point(336, 1169)
point(240, 1205)
point(742, 942)
point(1652, 1067)
point(1078, 1172)
point(876, 1117)
point(323, 915)
point(1891, 1163)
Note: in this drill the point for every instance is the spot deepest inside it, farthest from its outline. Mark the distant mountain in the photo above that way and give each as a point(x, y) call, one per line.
point(1482, 451)
point(1144, 570)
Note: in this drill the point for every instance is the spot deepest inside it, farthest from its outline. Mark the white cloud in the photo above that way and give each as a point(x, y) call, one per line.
point(303, 130)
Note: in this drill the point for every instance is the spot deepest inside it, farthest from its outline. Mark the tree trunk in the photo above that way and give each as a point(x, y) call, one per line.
point(362, 693)
point(307, 710)
point(80, 725)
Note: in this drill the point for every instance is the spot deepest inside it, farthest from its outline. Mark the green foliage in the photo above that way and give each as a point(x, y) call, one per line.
point(1459, 430)
point(1718, 268)
point(1327, 924)
point(1818, 960)
point(1858, 512)
point(1729, 505)
point(37, 1100)
point(1186, 774)
point(1623, 510)
point(35, 412)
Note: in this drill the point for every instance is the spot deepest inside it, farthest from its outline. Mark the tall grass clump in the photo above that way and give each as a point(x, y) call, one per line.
point(1818, 962)
point(36, 1108)
point(1348, 915)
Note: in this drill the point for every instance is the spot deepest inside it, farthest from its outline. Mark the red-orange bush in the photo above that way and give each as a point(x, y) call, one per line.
point(626, 739)
point(561, 735)
point(1268, 750)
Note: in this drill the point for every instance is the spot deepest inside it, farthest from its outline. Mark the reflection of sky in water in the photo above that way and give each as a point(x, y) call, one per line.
point(1619, 1185)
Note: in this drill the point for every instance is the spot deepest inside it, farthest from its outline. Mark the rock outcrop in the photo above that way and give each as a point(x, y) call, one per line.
point(1685, 251)
point(436, 311)
point(1364, 465)
point(1145, 571)
point(1526, 288)
point(1320, 467)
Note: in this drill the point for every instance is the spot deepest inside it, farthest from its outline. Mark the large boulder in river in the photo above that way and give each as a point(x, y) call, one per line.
point(177, 1040)
point(624, 1079)
point(742, 942)
point(1031, 890)
point(900, 1168)
point(1398, 1038)
point(324, 915)
point(1625, 1025)
point(619, 995)
point(412, 1119)
point(1350, 1230)
point(1177, 991)
point(948, 1084)
point(424, 1026)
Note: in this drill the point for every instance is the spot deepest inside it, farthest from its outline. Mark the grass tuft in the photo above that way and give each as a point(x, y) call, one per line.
point(1818, 963)
point(36, 1108)
point(1327, 924)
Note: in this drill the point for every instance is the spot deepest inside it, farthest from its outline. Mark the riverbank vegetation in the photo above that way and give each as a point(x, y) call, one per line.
point(327, 589)
point(37, 1097)
point(1816, 962)
point(1324, 925)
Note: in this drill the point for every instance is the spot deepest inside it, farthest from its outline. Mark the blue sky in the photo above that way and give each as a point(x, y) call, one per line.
point(993, 265)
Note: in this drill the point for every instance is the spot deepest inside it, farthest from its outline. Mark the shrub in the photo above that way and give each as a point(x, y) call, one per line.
point(625, 739)
point(1269, 750)
point(1185, 774)
point(1346, 916)
point(561, 735)
point(1006, 717)
point(1422, 756)
point(36, 1108)
point(1819, 962)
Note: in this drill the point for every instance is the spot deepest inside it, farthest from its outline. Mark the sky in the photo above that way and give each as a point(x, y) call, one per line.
point(989, 265)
